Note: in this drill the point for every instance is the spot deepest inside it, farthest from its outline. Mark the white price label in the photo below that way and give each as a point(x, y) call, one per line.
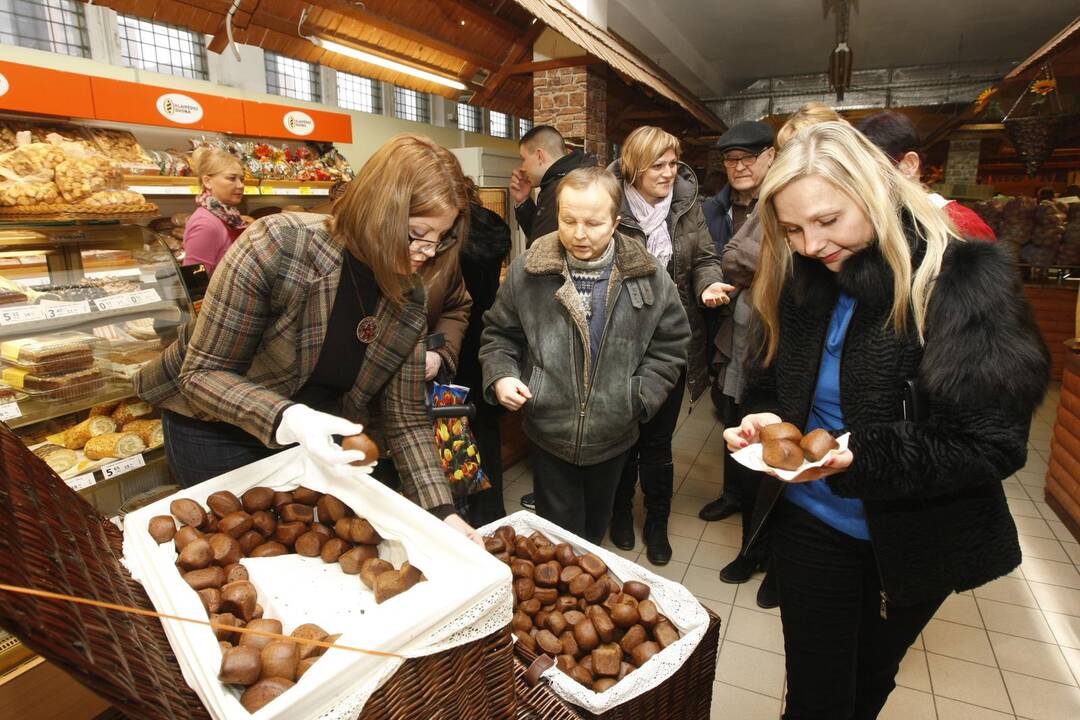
point(10, 411)
point(67, 309)
point(15, 316)
point(126, 300)
point(120, 467)
point(81, 481)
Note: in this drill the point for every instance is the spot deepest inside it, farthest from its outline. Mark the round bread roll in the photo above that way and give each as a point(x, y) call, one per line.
point(780, 431)
point(365, 445)
point(817, 444)
point(782, 454)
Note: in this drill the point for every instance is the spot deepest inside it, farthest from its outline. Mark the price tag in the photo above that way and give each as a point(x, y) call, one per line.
point(120, 467)
point(16, 316)
point(195, 189)
point(304, 190)
point(81, 481)
point(126, 300)
point(61, 310)
point(251, 189)
point(10, 411)
point(145, 297)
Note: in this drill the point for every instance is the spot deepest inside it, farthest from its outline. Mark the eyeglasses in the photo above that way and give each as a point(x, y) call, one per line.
point(429, 247)
point(745, 160)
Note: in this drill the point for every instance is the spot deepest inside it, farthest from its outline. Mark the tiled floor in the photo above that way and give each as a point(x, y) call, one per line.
point(1010, 649)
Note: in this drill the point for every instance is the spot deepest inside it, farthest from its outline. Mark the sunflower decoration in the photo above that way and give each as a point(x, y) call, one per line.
point(1044, 87)
point(984, 98)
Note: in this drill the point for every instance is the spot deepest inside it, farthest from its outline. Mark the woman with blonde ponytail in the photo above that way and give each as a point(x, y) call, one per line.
point(876, 320)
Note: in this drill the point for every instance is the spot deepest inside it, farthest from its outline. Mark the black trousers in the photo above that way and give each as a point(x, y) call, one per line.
point(652, 456)
point(842, 656)
point(197, 450)
point(740, 482)
point(577, 498)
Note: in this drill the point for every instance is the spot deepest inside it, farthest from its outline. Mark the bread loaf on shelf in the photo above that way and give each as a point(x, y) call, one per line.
point(114, 445)
point(58, 458)
point(75, 438)
point(129, 410)
point(149, 430)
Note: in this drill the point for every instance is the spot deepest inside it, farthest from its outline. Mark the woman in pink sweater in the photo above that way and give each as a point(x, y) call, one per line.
point(216, 223)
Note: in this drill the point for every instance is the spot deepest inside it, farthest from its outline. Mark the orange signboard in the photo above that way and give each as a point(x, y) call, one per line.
point(282, 121)
point(29, 89)
point(129, 102)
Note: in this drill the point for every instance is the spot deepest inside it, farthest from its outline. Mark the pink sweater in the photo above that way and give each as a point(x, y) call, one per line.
point(206, 238)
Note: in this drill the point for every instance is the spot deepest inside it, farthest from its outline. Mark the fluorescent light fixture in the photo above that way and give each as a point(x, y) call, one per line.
point(385, 63)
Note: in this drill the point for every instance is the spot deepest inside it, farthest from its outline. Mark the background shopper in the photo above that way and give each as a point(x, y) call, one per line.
point(572, 340)
point(858, 263)
point(313, 324)
point(216, 223)
point(660, 209)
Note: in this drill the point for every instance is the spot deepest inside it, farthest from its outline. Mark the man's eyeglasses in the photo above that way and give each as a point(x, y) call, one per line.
point(733, 161)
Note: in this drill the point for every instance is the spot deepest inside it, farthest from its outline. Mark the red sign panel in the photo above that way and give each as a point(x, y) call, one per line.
point(282, 121)
point(129, 102)
point(29, 89)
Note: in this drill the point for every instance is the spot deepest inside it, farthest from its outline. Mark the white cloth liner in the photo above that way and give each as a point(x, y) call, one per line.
point(466, 597)
point(750, 456)
point(672, 599)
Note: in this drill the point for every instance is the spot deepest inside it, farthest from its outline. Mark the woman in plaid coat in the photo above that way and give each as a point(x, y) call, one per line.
point(312, 325)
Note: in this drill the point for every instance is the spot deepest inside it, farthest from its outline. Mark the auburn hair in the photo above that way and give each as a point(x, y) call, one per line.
point(642, 148)
point(409, 176)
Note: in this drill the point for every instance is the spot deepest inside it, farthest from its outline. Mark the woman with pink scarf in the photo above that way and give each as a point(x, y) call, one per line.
point(216, 223)
point(660, 208)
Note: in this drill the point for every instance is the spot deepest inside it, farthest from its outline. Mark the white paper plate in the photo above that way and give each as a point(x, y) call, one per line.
point(750, 456)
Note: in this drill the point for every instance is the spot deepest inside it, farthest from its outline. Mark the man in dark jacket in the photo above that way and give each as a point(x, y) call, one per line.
point(545, 160)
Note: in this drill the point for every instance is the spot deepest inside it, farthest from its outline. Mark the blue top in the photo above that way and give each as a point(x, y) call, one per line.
point(844, 514)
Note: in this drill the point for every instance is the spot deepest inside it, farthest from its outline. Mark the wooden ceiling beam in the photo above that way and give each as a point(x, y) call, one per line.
point(241, 20)
point(408, 33)
point(531, 67)
point(474, 12)
point(517, 53)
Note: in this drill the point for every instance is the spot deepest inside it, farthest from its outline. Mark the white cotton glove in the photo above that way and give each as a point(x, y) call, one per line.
point(313, 430)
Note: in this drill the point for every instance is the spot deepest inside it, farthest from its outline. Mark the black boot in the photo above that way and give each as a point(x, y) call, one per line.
point(724, 506)
point(658, 483)
point(767, 596)
point(740, 569)
point(622, 514)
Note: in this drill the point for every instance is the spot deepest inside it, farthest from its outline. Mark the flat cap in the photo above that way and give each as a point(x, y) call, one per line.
point(751, 135)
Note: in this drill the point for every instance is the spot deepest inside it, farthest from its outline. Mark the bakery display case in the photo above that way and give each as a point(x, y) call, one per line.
point(83, 305)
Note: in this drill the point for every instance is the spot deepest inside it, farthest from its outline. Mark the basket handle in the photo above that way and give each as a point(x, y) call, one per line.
point(539, 666)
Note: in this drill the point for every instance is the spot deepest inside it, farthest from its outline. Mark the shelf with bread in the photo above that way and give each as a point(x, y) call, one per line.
point(170, 185)
point(82, 309)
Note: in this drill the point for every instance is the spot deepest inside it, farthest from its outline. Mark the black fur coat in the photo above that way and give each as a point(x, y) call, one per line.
point(932, 489)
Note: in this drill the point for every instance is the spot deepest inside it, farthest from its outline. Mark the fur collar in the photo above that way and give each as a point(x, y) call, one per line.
point(547, 257)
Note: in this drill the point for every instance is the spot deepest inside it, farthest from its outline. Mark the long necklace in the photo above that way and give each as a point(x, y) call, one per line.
point(367, 330)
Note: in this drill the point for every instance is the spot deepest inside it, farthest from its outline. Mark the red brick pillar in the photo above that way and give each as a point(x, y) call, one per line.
point(574, 101)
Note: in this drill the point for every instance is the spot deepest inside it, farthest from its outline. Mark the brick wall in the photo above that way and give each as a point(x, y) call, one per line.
point(962, 164)
point(574, 102)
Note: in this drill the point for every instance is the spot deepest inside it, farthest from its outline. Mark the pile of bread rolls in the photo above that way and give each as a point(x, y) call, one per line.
point(785, 447)
point(266, 523)
point(568, 606)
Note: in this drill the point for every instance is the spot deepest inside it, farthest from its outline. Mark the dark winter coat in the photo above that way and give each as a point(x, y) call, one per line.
point(481, 263)
point(932, 488)
point(542, 217)
point(718, 219)
point(696, 266)
point(584, 412)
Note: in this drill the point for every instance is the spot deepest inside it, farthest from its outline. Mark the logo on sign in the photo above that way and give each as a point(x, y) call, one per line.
point(4, 85)
point(299, 123)
point(179, 108)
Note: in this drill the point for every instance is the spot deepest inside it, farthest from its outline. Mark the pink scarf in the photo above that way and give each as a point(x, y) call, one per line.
point(226, 214)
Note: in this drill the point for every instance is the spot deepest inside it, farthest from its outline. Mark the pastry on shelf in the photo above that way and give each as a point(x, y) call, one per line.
point(75, 438)
point(114, 445)
point(58, 458)
point(150, 431)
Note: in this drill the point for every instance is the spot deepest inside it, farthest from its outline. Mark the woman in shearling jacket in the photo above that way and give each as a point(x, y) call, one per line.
point(588, 335)
point(862, 287)
point(312, 324)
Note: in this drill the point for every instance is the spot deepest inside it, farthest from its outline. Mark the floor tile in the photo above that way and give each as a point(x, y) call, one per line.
point(729, 701)
point(1009, 590)
point(958, 641)
point(704, 473)
point(914, 672)
point(756, 629)
point(1028, 657)
point(1072, 657)
point(955, 710)
point(708, 458)
point(690, 444)
point(1033, 526)
point(1072, 550)
point(1024, 508)
point(682, 548)
point(1065, 629)
point(722, 610)
point(1013, 489)
point(674, 570)
point(1042, 700)
point(968, 682)
point(1054, 598)
point(700, 489)
point(691, 428)
point(960, 609)
point(686, 526)
point(723, 534)
point(1043, 549)
point(713, 556)
point(1061, 532)
point(907, 704)
point(751, 669)
point(1015, 620)
point(746, 596)
point(1053, 573)
point(1031, 479)
point(686, 504)
point(704, 582)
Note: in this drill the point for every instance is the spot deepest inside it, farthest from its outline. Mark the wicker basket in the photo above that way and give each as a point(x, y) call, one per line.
point(54, 541)
point(686, 695)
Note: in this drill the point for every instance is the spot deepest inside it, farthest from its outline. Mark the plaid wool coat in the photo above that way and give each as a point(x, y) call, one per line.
point(259, 335)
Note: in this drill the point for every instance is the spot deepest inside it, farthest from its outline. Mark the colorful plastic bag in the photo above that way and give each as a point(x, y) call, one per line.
point(458, 451)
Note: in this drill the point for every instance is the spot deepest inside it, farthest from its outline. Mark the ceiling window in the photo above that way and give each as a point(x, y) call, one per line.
point(468, 117)
point(499, 124)
point(412, 105)
point(355, 92)
point(161, 48)
point(292, 78)
point(54, 25)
